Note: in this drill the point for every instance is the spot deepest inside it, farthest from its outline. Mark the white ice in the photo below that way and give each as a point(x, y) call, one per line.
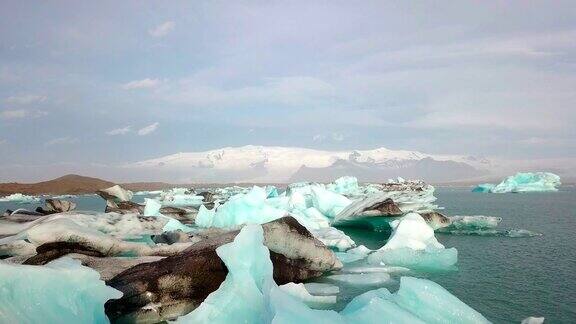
point(412, 244)
point(20, 198)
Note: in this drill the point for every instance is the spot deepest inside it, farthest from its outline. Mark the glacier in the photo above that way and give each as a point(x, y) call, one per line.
point(62, 291)
point(523, 182)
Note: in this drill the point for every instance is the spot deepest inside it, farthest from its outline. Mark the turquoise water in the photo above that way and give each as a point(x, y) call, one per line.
point(504, 278)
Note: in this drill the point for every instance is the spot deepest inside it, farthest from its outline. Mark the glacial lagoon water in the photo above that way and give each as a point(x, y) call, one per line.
point(505, 278)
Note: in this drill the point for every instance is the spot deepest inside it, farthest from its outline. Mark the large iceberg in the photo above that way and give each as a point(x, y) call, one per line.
point(523, 182)
point(241, 297)
point(413, 245)
point(62, 291)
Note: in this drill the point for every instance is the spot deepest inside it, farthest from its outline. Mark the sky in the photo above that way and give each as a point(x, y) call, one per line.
point(109, 82)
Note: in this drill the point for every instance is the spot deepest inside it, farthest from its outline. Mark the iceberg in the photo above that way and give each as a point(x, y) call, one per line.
point(417, 301)
point(299, 291)
point(523, 182)
point(62, 291)
point(241, 297)
point(346, 185)
point(20, 199)
point(533, 320)
point(414, 246)
point(327, 202)
point(249, 208)
point(250, 295)
point(180, 197)
point(362, 279)
point(152, 208)
point(84, 231)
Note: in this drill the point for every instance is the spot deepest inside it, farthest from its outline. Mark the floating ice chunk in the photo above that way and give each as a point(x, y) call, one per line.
point(484, 187)
point(286, 309)
point(533, 320)
point(147, 193)
point(433, 304)
point(180, 197)
point(413, 245)
point(321, 289)
point(152, 208)
point(64, 196)
point(20, 199)
point(346, 185)
point(62, 291)
point(116, 194)
point(474, 222)
point(333, 238)
point(71, 229)
point(524, 182)
point(412, 231)
point(327, 202)
point(375, 306)
point(240, 298)
point(355, 254)
point(271, 191)
point(249, 208)
point(417, 301)
point(299, 291)
point(362, 279)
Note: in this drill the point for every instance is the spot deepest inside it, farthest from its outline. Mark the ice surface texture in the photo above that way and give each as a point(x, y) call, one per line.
point(63, 291)
point(523, 182)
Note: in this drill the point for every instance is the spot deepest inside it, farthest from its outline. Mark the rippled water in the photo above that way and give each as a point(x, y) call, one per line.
point(505, 278)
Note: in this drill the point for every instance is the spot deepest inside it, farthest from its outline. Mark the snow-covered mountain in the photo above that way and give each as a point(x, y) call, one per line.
point(281, 164)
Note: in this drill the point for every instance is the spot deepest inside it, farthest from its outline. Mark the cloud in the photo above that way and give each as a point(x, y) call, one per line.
point(163, 29)
point(21, 113)
point(119, 131)
point(25, 99)
point(3, 141)
point(148, 129)
point(142, 84)
point(62, 141)
point(302, 91)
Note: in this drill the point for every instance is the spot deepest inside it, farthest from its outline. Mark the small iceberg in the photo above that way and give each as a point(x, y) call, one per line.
point(20, 199)
point(523, 182)
point(414, 246)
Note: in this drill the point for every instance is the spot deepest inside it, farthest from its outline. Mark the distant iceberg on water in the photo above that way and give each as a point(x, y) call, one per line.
point(523, 182)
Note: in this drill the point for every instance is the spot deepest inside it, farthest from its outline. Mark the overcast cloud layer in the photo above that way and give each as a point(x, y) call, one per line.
point(108, 82)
